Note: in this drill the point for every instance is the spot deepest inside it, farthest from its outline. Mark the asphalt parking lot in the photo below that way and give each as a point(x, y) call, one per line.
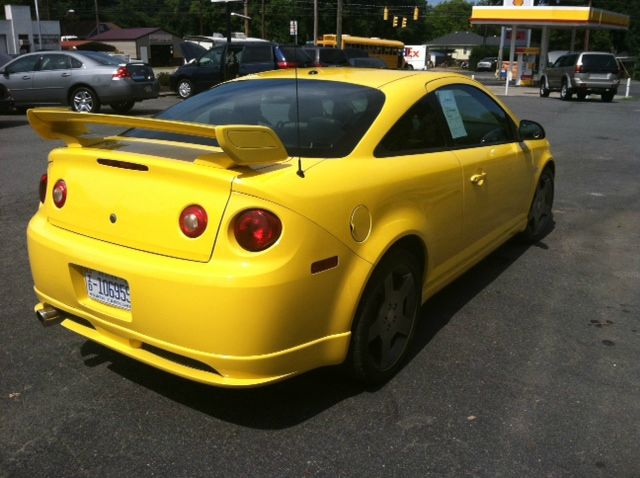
point(528, 365)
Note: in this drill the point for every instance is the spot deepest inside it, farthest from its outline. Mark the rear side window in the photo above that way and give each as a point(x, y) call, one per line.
point(257, 54)
point(599, 63)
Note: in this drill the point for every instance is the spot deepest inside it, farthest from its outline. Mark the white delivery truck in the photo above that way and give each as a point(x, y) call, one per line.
point(418, 57)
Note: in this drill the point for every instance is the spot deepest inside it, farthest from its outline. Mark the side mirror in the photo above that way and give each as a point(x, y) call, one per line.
point(530, 130)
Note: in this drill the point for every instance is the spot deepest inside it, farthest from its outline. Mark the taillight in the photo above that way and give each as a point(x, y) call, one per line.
point(287, 64)
point(42, 189)
point(121, 73)
point(59, 193)
point(193, 221)
point(579, 69)
point(257, 229)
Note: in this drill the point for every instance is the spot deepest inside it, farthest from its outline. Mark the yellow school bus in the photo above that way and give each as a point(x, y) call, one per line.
point(390, 51)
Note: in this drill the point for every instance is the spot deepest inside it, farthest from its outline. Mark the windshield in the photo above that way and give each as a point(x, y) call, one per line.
point(333, 116)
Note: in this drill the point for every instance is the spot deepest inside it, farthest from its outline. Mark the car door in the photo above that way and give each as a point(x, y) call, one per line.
point(18, 77)
point(496, 171)
point(416, 149)
point(208, 70)
point(52, 80)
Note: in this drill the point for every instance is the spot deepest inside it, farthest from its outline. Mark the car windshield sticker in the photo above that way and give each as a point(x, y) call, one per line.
point(452, 113)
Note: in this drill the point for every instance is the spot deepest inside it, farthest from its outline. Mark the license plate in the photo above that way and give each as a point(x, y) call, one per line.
point(147, 89)
point(599, 77)
point(108, 289)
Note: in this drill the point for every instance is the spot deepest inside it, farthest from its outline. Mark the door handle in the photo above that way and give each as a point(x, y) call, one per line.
point(478, 179)
point(66, 74)
point(26, 77)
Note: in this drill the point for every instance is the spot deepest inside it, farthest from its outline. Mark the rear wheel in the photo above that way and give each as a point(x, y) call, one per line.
point(544, 89)
point(122, 106)
point(608, 97)
point(185, 88)
point(540, 213)
point(565, 91)
point(385, 321)
point(84, 100)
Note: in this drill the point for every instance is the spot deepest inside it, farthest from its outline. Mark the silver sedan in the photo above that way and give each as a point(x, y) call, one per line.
point(83, 80)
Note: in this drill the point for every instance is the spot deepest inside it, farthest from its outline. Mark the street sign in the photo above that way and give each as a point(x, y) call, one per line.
point(293, 27)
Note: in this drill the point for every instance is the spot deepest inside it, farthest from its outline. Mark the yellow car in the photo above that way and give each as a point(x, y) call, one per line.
point(282, 221)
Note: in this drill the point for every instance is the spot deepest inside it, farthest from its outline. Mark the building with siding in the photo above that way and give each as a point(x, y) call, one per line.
point(19, 33)
point(152, 45)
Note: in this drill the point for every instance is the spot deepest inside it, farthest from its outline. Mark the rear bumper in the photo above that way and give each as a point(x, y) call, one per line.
point(246, 324)
point(129, 90)
point(595, 86)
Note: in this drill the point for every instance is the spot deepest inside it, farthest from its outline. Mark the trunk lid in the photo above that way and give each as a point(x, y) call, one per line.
point(135, 200)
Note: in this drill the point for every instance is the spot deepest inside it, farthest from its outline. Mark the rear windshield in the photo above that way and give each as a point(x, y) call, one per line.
point(327, 121)
point(102, 58)
point(600, 63)
point(257, 54)
point(333, 56)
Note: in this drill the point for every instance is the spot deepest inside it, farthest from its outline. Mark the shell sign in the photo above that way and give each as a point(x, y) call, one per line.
point(518, 3)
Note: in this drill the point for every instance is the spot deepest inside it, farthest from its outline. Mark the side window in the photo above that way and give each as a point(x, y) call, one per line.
point(257, 54)
point(23, 65)
point(213, 57)
point(418, 130)
point(473, 118)
point(54, 62)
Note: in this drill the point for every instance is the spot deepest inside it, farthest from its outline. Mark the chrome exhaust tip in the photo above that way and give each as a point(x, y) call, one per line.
point(49, 316)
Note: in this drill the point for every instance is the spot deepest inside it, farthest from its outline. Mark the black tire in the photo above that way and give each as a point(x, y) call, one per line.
point(386, 318)
point(122, 106)
point(84, 100)
point(185, 88)
point(608, 97)
point(581, 95)
point(544, 90)
point(540, 219)
point(565, 91)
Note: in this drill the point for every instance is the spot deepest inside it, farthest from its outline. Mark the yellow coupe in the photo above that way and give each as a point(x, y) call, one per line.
point(282, 221)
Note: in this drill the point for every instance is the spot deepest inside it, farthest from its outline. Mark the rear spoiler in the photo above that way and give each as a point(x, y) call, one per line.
point(243, 144)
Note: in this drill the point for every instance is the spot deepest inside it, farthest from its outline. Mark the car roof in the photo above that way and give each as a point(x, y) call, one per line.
point(353, 75)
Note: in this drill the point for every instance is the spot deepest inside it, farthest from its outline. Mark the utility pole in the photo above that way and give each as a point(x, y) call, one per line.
point(586, 32)
point(95, 4)
point(246, 20)
point(262, 20)
point(339, 26)
point(315, 22)
point(39, 27)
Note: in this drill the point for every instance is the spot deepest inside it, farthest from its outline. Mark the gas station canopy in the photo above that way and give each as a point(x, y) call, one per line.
point(558, 17)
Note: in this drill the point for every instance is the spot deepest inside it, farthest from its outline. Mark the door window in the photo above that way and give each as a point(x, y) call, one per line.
point(419, 130)
point(473, 118)
point(23, 65)
point(212, 57)
point(54, 62)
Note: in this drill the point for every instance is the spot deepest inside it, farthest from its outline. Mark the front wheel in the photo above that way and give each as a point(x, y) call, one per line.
point(540, 213)
point(185, 88)
point(386, 318)
point(544, 90)
point(84, 100)
point(565, 92)
point(122, 106)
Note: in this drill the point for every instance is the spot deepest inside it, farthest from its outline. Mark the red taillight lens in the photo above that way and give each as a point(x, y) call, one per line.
point(121, 73)
point(42, 189)
point(59, 193)
point(193, 221)
point(257, 229)
point(287, 64)
point(578, 68)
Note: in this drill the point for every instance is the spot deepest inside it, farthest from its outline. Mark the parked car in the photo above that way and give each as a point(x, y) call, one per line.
point(6, 100)
point(83, 80)
point(327, 56)
point(488, 63)
point(225, 62)
point(281, 221)
point(582, 73)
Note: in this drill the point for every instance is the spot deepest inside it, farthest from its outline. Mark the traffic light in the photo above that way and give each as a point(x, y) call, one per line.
point(416, 13)
point(395, 21)
point(404, 22)
point(385, 15)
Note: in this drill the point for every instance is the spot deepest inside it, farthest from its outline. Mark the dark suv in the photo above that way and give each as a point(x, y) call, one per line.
point(583, 74)
point(225, 62)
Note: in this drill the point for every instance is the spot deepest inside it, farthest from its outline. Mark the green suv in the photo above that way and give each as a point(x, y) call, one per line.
point(582, 73)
